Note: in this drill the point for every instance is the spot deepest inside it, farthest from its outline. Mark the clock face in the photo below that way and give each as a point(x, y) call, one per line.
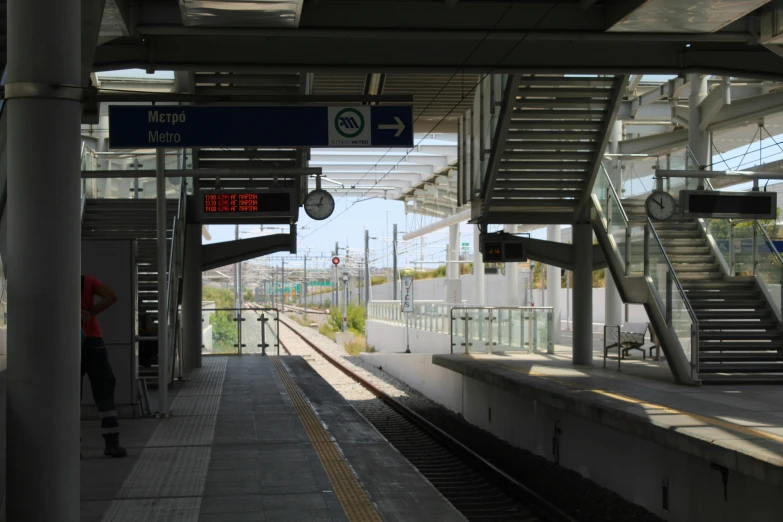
point(660, 205)
point(319, 204)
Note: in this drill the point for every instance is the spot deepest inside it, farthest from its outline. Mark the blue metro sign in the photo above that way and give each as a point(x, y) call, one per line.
point(177, 126)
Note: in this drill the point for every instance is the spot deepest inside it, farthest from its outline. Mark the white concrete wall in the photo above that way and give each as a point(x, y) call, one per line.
point(415, 369)
point(633, 467)
point(390, 338)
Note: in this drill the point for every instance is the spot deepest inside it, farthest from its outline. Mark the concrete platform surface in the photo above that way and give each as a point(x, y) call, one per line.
point(736, 426)
point(240, 447)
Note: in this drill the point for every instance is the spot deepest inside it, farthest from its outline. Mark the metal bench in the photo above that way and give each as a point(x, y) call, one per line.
point(627, 337)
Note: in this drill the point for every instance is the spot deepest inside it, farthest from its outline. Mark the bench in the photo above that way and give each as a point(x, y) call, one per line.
point(627, 337)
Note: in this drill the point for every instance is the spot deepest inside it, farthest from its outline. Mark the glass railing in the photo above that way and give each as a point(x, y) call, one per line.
point(627, 239)
point(488, 329)
point(176, 266)
point(125, 185)
point(240, 331)
point(679, 315)
point(768, 265)
point(430, 316)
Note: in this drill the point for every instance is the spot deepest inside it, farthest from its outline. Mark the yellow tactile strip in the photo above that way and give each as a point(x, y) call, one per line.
point(624, 398)
point(352, 497)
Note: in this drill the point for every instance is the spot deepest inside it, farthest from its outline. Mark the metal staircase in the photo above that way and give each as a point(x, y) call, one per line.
point(547, 147)
point(739, 332)
point(714, 326)
point(133, 219)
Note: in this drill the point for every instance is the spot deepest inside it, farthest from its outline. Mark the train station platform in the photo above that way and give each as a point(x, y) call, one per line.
point(254, 438)
point(685, 453)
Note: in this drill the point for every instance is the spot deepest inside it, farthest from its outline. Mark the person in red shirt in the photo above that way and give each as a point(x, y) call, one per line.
point(95, 361)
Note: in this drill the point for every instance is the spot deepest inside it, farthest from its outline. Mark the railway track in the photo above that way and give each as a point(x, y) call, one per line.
point(478, 489)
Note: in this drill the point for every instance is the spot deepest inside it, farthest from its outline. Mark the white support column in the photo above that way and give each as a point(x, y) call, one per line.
point(44, 261)
point(699, 140)
point(583, 294)
point(452, 270)
point(479, 296)
point(613, 304)
point(553, 283)
point(512, 277)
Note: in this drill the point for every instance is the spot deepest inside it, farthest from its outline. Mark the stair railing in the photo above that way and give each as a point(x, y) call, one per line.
point(176, 261)
point(644, 275)
point(679, 314)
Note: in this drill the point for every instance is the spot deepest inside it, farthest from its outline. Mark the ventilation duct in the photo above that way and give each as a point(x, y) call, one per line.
point(240, 13)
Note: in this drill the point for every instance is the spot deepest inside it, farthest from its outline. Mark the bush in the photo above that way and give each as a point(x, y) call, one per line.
point(224, 332)
point(355, 319)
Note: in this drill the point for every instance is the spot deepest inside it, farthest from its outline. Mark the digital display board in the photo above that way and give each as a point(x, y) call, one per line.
point(738, 205)
point(493, 252)
point(246, 204)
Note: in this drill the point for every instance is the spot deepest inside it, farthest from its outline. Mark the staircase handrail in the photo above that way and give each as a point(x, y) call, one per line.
point(676, 283)
point(614, 193)
point(175, 266)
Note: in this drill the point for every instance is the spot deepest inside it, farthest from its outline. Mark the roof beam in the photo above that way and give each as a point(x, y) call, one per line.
point(747, 110)
point(655, 143)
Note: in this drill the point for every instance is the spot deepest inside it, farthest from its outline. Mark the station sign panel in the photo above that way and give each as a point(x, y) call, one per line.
point(177, 126)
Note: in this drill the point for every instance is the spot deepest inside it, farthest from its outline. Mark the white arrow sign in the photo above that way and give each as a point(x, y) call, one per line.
point(400, 126)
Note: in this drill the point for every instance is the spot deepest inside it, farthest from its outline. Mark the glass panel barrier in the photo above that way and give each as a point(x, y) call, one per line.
point(258, 331)
point(221, 333)
point(679, 314)
point(500, 330)
point(769, 265)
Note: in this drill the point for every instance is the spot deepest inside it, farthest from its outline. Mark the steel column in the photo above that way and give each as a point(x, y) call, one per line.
point(163, 323)
point(191, 298)
point(42, 479)
point(553, 283)
point(583, 294)
point(478, 270)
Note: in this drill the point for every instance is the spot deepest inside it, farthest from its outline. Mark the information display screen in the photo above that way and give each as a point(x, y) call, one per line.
point(493, 252)
point(732, 205)
point(246, 204)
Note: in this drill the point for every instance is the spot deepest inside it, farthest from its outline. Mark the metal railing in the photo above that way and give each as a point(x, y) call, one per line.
point(176, 262)
point(636, 251)
point(431, 316)
point(241, 331)
point(679, 315)
point(499, 329)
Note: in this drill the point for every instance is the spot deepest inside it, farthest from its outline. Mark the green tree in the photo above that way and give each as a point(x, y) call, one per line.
point(249, 298)
point(356, 318)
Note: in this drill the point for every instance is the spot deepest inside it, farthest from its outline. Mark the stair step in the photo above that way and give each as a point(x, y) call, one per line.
point(733, 284)
point(727, 305)
point(721, 293)
point(700, 259)
point(717, 315)
point(736, 324)
point(739, 346)
point(739, 357)
point(768, 377)
point(739, 367)
point(673, 251)
point(695, 267)
point(701, 277)
point(724, 335)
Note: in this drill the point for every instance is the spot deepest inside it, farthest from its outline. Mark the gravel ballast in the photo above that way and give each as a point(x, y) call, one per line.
point(582, 498)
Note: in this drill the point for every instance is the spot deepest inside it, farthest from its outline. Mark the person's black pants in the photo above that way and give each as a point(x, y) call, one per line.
point(95, 363)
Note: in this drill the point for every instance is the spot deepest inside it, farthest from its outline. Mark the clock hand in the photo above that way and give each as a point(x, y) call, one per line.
point(660, 203)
